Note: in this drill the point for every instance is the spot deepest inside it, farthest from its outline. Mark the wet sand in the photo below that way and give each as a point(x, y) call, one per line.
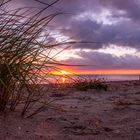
point(82, 115)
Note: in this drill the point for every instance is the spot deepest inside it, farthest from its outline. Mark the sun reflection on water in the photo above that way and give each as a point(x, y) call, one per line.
point(63, 80)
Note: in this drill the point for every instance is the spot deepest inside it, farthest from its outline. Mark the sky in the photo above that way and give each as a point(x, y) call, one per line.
point(113, 27)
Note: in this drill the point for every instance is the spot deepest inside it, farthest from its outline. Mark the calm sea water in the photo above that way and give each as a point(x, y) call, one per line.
point(118, 77)
point(70, 78)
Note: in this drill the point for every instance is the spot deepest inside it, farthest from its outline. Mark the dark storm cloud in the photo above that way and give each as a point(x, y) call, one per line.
point(131, 7)
point(120, 34)
point(125, 32)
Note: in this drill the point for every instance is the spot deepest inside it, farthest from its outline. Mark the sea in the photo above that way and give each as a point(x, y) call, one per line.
point(110, 77)
point(71, 78)
point(105, 77)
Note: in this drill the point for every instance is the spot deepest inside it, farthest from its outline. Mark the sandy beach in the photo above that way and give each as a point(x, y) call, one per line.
point(82, 115)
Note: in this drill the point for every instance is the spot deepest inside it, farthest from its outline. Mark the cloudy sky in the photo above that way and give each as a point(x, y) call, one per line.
point(113, 24)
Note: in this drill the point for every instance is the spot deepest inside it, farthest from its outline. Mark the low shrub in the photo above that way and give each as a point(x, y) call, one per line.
point(85, 84)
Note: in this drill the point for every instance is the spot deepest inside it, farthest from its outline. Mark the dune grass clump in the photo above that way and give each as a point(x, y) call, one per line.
point(25, 62)
point(85, 84)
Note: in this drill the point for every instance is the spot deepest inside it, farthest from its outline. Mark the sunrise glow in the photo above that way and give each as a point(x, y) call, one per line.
point(109, 71)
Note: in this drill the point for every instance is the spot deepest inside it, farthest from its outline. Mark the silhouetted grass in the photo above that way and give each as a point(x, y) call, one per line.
point(25, 59)
point(85, 84)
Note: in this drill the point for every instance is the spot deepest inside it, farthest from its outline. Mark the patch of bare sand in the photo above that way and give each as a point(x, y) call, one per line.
point(89, 115)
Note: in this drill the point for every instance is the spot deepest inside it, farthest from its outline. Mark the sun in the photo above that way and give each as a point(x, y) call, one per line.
point(63, 72)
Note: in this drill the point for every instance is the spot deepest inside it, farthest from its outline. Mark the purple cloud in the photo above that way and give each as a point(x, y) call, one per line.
point(98, 60)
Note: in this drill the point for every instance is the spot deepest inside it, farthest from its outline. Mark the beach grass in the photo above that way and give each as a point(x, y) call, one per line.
point(85, 84)
point(24, 57)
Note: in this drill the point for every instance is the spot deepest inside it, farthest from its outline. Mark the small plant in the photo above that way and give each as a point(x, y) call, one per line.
point(86, 84)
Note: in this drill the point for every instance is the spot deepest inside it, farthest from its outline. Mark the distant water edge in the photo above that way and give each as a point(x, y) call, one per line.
point(72, 78)
point(110, 77)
